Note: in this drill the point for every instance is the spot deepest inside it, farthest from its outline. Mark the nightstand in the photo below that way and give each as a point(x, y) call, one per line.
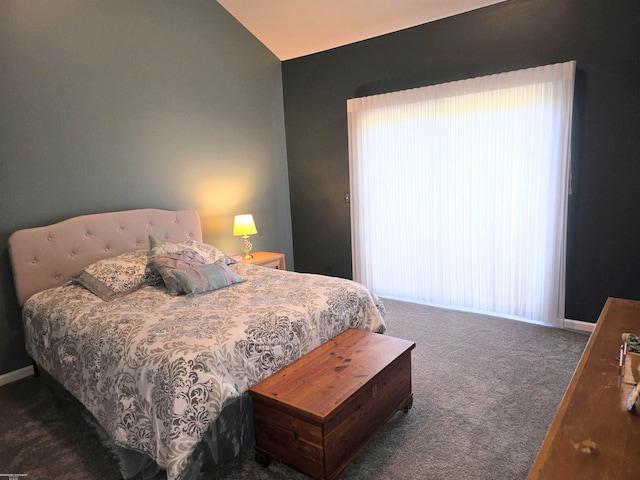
point(267, 259)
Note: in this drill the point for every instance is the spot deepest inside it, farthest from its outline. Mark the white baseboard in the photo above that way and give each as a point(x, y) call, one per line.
point(16, 375)
point(579, 325)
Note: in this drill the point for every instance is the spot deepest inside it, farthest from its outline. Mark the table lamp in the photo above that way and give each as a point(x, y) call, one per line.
point(243, 226)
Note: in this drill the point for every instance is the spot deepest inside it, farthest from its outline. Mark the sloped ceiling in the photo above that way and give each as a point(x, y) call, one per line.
point(294, 28)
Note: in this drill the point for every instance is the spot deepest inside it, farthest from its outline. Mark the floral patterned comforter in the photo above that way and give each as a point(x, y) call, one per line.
point(155, 370)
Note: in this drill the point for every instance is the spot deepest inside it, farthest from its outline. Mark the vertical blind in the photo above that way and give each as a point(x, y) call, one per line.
point(459, 192)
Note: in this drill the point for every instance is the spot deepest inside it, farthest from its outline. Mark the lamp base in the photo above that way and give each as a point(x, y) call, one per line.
point(246, 248)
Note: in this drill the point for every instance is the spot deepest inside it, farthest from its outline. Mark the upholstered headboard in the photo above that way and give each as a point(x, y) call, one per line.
point(45, 257)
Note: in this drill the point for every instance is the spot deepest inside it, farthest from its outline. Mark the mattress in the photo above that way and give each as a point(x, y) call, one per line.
point(155, 370)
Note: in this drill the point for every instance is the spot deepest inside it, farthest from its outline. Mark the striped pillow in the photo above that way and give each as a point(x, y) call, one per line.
point(205, 278)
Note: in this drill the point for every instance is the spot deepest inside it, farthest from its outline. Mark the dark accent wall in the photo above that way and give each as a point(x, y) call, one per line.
point(119, 104)
point(604, 224)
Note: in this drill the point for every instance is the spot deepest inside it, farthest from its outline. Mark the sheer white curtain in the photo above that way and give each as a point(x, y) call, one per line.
point(459, 192)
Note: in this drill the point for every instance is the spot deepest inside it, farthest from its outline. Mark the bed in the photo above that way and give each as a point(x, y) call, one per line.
point(161, 356)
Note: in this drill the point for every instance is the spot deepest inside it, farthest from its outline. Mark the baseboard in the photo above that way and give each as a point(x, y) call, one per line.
point(16, 375)
point(579, 325)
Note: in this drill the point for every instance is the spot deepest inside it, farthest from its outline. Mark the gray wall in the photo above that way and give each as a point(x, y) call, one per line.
point(603, 254)
point(115, 105)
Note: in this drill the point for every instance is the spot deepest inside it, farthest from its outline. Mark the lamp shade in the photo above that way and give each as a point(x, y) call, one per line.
point(244, 225)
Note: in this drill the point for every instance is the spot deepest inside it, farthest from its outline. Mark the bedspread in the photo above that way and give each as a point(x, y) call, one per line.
point(155, 370)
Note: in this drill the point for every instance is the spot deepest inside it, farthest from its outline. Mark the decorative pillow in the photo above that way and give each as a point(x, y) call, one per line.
point(117, 276)
point(165, 263)
point(205, 278)
point(210, 253)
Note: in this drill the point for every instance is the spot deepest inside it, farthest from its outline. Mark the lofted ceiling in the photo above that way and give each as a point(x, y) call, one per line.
point(294, 28)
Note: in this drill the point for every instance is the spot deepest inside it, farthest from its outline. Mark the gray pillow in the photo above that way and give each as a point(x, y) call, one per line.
point(209, 253)
point(117, 276)
point(205, 278)
point(165, 263)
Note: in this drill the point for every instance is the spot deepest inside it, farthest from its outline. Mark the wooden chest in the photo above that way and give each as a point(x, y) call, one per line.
point(317, 413)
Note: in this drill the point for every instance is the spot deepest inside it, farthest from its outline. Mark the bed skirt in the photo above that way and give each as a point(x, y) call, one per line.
point(229, 436)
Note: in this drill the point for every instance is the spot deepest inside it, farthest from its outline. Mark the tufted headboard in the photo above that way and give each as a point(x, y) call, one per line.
point(45, 257)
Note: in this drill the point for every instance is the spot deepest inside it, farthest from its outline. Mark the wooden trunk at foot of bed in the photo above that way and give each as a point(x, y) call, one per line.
point(317, 413)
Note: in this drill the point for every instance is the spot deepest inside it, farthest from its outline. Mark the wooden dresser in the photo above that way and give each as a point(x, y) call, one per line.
point(592, 435)
point(315, 414)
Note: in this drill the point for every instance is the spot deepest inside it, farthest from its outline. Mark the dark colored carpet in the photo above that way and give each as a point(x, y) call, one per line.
point(485, 392)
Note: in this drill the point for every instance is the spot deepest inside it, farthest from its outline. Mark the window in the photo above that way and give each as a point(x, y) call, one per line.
point(459, 192)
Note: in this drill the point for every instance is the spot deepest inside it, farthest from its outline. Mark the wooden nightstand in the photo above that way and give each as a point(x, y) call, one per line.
point(267, 259)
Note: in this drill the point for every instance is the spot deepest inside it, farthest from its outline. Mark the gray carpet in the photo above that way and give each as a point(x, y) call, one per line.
point(485, 392)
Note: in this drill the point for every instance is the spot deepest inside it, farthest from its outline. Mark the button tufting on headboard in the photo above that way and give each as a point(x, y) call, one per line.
point(45, 257)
